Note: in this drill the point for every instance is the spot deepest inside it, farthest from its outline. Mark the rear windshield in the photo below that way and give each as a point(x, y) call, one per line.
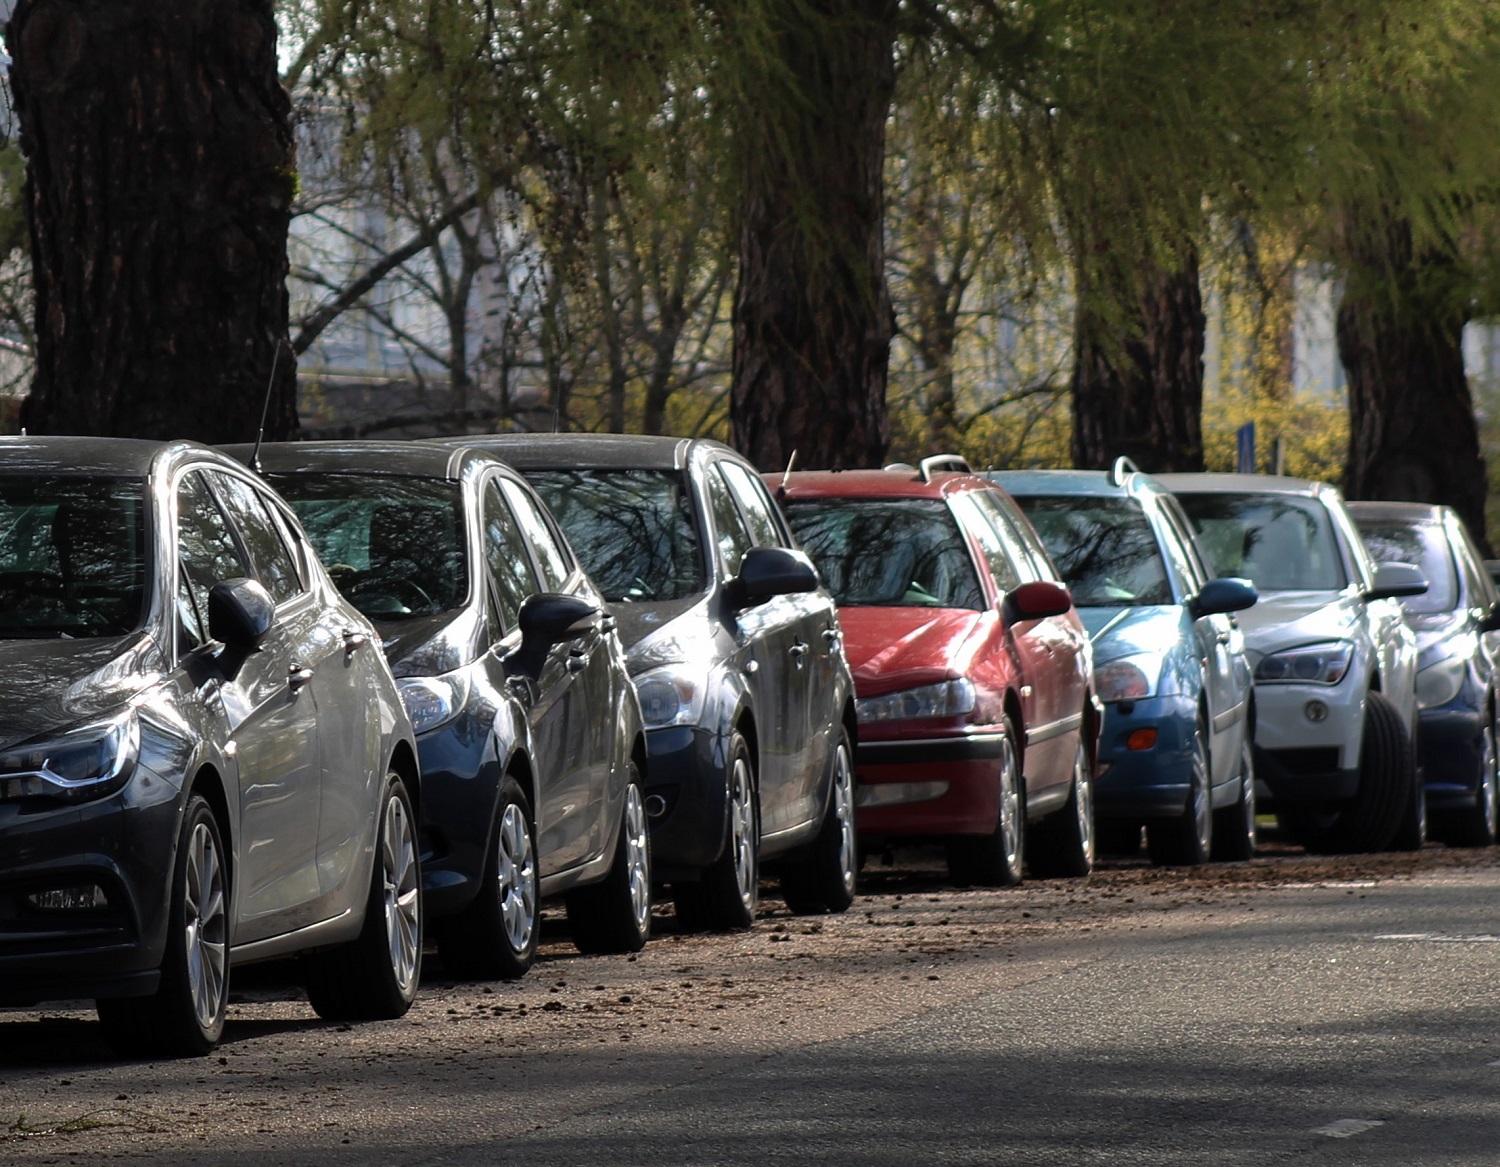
point(888, 553)
point(1423, 544)
point(393, 544)
point(1280, 542)
point(633, 530)
point(1104, 549)
point(72, 556)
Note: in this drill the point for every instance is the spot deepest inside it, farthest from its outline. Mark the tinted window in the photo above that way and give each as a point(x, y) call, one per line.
point(893, 553)
point(394, 545)
point(730, 532)
point(1422, 544)
point(273, 562)
point(1104, 549)
point(759, 510)
point(1279, 542)
point(633, 529)
point(206, 554)
point(72, 556)
point(505, 551)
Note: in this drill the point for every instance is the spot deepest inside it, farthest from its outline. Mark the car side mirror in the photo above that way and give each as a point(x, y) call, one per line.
point(771, 571)
point(546, 619)
point(1394, 580)
point(240, 614)
point(1036, 601)
point(1226, 594)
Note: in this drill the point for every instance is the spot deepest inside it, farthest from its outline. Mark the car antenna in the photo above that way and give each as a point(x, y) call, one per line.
point(787, 473)
point(265, 408)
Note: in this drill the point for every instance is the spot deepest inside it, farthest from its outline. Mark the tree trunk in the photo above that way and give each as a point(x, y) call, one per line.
point(1412, 431)
point(1138, 366)
point(813, 324)
point(160, 175)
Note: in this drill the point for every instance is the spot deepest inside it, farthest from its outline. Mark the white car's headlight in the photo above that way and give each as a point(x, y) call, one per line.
point(1311, 664)
point(1128, 678)
point(1439, 683)
point(87, 763)
point(945, 699)
point(671, 695)
point(434, 701)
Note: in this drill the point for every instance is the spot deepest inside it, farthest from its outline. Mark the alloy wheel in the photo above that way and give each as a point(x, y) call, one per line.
point(742, 831)
point(398, 867)
point(205, 923)
point(637, 856)
point(517, 876)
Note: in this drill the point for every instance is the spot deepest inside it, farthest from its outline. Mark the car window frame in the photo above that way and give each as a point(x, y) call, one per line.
point(495, 478)
point(178, 575)
point(228, 507)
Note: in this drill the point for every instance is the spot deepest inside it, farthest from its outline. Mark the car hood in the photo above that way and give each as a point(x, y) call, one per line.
point(901, 648)
point(1118, 632)
point(1282, 619)
point(664, 633)
point(429, 646)
point(52, 686)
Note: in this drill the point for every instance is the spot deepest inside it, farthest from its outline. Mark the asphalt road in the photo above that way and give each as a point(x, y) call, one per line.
point(1284, 1011)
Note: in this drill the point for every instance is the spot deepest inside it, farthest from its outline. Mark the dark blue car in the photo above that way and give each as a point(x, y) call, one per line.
point(1169, 663)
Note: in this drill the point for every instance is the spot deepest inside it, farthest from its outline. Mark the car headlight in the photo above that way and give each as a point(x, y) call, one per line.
point(672, 695)
point(434, 701)
point(1311, 664)
point(945, 699)
point(1439, 683)
point(1128, 678)
point(87, 763)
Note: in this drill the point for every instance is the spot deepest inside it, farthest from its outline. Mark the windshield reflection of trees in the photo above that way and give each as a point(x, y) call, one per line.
point(72, 556)
point(1103, 548)
point(1421, 544)
point(899, 554)
point(633, 529)
point(1279, 543)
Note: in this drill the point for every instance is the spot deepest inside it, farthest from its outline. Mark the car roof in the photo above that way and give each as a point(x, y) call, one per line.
point(1239, 484)
point(102, 456)
point(1083, 483)
point(1406, 512)
point(889, 483)
point(387, 457)
point(590, 451)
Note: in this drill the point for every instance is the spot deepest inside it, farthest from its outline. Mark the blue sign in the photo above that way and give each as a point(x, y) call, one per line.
point(1244, 461)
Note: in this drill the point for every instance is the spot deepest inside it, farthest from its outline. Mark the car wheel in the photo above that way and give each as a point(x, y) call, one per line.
point(726, 897)
point(186, 1013)
point(375, 976)
point(1064, 843)
point(495, 937)
point(1387, 773)
point(1411, 832)
point(824, 880)
point(1187, 839)
point(615, 915)
point(1234, 826)
point(1476, 826)
point(995, 859)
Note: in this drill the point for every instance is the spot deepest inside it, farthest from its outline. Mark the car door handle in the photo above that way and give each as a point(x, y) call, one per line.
point(608, 624)
point(298, 676)
point(1222, 638)
point(577, 662)
point(353, 639)
point(832, 636)
point(799, 652)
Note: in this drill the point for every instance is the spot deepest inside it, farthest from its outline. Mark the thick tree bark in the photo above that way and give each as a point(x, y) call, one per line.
point(160, 176)
point(1138, 366)
point(813, 324)
point(1412, 430)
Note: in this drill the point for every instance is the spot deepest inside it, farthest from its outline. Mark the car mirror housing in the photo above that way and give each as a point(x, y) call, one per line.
point(1394, 580)
point(240, 614)
point(1036, 601)
point(550, 618)
point(1226, 594)
point(772, 571)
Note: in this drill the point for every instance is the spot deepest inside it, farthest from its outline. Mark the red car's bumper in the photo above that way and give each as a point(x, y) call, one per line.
point(934, 786)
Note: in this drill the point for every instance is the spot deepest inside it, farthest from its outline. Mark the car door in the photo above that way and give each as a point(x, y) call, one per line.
point(272, 717)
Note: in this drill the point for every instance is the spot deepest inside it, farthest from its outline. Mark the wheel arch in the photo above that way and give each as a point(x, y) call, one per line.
point(404, 762)
point(210, 784)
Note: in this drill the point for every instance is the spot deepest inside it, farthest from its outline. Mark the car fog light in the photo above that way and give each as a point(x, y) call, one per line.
point(656, 806)
point(86, 897)
point(1316, 711)
point(1141, 739)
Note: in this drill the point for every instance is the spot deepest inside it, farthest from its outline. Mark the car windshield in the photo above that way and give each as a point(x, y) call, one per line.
point(888, 553)
point(1392, 541)
point(72, 556)
point(1104, 549)
point(633, 530)
point(393, 544)
point(1280, 542)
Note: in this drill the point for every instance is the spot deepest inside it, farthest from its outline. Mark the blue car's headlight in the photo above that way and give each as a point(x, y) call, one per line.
point(434, 701)
point(87, 763)
point(1440, 683)
point(1128, 678)
point(945, 699)
point(1310, 664)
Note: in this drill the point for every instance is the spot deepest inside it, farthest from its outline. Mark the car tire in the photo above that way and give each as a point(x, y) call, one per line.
point(1186, 840)
point(375, 976)
point(1064, 843)
point(1476, 826)
point(727, 895)
point(995, 859)
point(615, 914)
point(495, 937)
point(1386, 774)
point(824, 880)
point(185, 1016)
point(1235, 832)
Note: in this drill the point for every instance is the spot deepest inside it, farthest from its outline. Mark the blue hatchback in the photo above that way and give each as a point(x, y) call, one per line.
point(1169, 661)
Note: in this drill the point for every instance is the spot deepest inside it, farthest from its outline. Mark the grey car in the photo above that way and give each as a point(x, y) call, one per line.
point(203, 758)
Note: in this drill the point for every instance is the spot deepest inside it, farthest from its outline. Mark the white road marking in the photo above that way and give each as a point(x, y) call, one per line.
point(1441, 938)
point(1333, 883)
point(1345, 1127)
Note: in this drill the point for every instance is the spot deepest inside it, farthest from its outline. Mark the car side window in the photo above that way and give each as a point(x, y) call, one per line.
point(1176, 548)
point(730, 533)
point(505, 552)
point(1183, 529)
point(274, 566)
point(759, 510)
point(206, 554)
point(1042, 566)
point(973, 519)
point(1017, 549)
point(545, 543)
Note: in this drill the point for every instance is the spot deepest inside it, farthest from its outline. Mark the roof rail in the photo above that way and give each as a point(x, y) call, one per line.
point(941, 463)
point(1120, 469)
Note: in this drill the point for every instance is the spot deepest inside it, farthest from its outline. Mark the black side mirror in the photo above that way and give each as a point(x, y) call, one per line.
point(1036, 601)
point(771, 571)
point(240, 613)
point(546, 619)
point(1227, 594)
point(1394, 580)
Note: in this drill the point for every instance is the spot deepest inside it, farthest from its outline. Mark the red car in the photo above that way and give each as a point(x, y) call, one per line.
point(977, 718)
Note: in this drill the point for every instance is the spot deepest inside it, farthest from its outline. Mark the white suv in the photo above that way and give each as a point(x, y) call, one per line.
point(1335, 664)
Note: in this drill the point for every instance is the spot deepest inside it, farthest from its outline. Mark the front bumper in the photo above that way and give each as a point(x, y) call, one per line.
point(1300, 759)
point(460, 782)
point(928, 787)
point(1450, 748)
point(1152, 782)
point(687, 798)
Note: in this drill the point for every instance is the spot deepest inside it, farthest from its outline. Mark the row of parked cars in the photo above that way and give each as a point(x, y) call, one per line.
point(335, 700)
